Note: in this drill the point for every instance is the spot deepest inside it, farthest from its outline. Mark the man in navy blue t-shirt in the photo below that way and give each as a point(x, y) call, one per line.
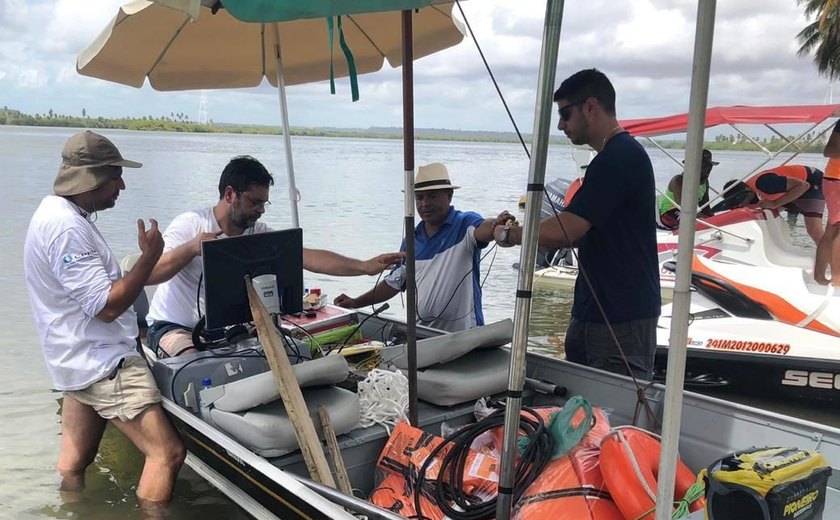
point(611, 221)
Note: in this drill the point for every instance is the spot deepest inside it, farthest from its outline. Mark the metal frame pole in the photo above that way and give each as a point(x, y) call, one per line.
point(528, 253)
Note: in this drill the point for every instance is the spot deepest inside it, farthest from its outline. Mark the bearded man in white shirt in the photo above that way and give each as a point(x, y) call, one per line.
point(82, 306)
point(178, 303)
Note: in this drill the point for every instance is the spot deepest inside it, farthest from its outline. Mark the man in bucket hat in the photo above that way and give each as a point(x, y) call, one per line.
point(448, 244)
point(87, 327)
point(669, 206)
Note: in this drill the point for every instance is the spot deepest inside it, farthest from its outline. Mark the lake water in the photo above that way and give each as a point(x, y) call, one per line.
point(351, 203)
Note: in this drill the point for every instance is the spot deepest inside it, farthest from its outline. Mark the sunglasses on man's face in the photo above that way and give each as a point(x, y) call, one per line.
point(566, 110)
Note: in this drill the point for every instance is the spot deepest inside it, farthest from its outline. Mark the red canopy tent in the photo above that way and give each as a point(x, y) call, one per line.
point(678, 123)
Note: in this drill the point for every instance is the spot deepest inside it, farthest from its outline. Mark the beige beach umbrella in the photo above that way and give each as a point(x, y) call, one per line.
point(177, 51)
point(147, 39)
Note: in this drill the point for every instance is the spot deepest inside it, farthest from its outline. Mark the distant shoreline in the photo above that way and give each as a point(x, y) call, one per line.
point(180, 123)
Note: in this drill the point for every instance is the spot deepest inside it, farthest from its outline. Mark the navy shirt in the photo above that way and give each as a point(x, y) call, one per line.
point(619, 252)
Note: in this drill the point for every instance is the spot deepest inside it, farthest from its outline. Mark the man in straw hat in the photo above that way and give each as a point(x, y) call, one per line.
point(448, 242)
point(88, 329)
point(243, 197)
point(609, 220)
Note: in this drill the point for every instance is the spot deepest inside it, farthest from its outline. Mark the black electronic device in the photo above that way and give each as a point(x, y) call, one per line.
point(226, 262)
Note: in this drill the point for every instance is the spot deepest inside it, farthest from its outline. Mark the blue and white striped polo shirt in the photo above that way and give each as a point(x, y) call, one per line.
point(447, 272)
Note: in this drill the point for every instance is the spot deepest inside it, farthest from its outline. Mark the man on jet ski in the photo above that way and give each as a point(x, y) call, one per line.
point(797, 185)
point(669, 207)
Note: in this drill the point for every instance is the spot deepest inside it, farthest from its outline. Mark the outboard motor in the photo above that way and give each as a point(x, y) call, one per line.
point(556, 190)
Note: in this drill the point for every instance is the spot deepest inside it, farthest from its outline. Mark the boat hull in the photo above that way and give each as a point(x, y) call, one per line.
point(773, 377)
point(275, 488)
point(241, 475)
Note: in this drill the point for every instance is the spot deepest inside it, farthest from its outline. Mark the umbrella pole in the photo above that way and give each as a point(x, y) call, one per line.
point(408, 169)
point(677, 347)
point(294, 194)
point(528, 253)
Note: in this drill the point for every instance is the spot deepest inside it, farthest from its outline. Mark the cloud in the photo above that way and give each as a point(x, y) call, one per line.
point(645, 47)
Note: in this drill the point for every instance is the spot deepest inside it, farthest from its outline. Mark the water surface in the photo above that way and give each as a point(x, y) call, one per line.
point(351, 203)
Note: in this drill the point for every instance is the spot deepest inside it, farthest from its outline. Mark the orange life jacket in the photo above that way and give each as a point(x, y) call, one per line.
point(832, 169)
point(794, 171)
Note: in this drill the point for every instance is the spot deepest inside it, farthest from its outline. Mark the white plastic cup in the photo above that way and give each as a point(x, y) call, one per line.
point(266, 287)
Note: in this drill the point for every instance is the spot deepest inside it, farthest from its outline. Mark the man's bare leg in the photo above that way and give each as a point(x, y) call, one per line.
point(826, 253)
point(81, 432)
point(814, 227)
point(157, 439)
point(834, 261)
point(177, 342)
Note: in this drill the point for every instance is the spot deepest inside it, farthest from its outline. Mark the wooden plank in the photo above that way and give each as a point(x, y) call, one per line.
point(284, 378)
point(335, 452)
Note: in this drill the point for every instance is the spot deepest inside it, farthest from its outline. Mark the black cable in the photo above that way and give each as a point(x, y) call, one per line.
point(376, 312)
point(198, 295)
point(493, 78)
point(291, 345)
point(554, 209)
point(447, 490)
point(311, 337)
point(495, 250)
point(432, 319)
point(256, 352)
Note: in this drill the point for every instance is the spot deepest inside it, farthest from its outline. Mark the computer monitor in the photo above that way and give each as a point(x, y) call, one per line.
point(227, 261)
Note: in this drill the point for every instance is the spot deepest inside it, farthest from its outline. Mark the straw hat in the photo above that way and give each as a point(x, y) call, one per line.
point(433, 177)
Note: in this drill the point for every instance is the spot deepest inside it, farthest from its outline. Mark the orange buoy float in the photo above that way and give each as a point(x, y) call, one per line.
point(571, 486)
point(630, 465)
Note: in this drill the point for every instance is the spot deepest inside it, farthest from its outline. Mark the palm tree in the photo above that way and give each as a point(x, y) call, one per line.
point(822, 36)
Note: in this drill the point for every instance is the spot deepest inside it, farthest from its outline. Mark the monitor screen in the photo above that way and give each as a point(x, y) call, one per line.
point(227, 261)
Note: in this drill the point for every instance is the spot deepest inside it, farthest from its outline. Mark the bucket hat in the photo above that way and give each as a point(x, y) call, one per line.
point(87, 161)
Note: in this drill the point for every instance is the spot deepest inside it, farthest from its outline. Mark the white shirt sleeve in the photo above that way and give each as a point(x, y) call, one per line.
point(396, 278)
point(181, 230)
point(78, 267)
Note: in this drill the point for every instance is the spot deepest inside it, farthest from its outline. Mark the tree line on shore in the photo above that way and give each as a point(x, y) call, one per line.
point(179, 122)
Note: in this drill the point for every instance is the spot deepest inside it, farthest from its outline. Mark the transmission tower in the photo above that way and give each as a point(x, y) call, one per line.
point(202, 109)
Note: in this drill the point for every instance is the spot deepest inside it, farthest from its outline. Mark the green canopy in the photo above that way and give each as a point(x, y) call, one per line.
point(266, 11)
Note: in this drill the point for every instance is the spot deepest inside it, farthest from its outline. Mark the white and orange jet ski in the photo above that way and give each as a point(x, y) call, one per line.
point(766, 330)
point(743, 236)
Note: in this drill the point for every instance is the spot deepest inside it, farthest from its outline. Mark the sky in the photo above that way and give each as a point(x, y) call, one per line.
point(644, 46)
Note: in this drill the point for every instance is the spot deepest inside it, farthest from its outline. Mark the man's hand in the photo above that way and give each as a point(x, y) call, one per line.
point(768, 204)
point(151, 241)
point(503, 219)
point(342, 300)
point(195, 243)
point(382, 262)
point(507, 236)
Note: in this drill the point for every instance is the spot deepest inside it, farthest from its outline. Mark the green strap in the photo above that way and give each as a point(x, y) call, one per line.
point(332, 72)
point(694, 493)
point(348, 55)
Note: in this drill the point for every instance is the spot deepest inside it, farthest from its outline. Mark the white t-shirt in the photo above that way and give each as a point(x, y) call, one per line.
point(175, 300)
point(69, 272)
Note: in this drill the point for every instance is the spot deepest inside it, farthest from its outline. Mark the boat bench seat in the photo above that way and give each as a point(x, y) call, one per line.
point(480, 373)
point(461, 366)
point(251, 410)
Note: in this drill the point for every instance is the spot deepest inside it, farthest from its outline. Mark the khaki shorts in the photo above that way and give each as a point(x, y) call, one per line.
point(124, 395)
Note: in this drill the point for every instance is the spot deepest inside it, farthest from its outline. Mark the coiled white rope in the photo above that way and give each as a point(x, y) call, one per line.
point(383, 398)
